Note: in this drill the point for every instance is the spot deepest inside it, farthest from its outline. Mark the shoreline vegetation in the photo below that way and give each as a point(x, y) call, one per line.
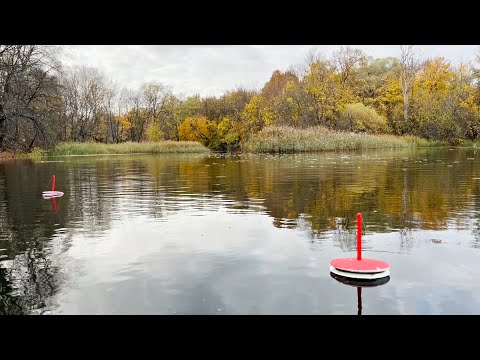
point(285, 139)
point(93, 148)
point(271, 139)
point(345, 101)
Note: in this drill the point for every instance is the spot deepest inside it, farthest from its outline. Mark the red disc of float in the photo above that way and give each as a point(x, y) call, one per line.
point(360, 266)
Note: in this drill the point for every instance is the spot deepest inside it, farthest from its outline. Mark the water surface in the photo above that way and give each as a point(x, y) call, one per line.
point(240, 234)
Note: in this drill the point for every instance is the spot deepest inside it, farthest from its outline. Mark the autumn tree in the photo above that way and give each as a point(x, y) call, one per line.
point(228, 134)
point(324, 91)
point(213, 108)
point(274, 86)
point(465, 94)
point(155, 102)
point(290, 105)
point(372, 77)
point(347, 60)
point(233, 103)
point(282, 96)
point(476, 74)
point(255, 116)
point(390, 101)
point(444, 106)
point(201, 129)
point(409, 66)
point(182, 109)
point(135, 115)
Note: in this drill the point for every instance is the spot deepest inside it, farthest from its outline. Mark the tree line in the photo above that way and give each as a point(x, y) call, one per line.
point(43, 102)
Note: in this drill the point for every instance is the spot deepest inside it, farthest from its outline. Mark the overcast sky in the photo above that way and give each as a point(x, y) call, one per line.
point(210, 70)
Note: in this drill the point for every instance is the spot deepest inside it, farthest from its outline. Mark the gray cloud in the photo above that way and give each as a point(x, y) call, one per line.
point(212, 69)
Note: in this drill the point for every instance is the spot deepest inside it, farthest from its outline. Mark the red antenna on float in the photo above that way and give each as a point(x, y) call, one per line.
point(360, 269)
point(52, 194)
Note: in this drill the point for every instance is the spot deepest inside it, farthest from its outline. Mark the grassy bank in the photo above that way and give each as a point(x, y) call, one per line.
point(291, 140)
point(471, 144)
point(94, 148)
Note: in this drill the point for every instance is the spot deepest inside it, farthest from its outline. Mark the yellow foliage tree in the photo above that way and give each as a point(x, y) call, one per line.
point(289, 105)
point(391, 103)
point(444, 103)
point(323, 86)
point(435, 77)
point(154, 133)
point(124, 126)
point(229, 134)
point(255, 116)
point(199, 128)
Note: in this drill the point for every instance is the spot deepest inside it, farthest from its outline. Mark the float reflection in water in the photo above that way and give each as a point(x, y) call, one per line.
point(359, 284)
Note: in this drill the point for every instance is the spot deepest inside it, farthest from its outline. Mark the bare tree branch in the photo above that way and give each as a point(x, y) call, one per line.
point(410, 64)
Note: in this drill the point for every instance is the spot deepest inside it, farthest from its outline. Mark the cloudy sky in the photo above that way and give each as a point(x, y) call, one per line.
point(209, 70)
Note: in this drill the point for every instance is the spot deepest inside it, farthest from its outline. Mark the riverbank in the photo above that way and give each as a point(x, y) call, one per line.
point(269, 140)
point(94, 148)
point(290, 140)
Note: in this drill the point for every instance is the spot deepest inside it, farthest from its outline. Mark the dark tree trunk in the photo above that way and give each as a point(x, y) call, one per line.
point(33, 141)
point(3, 123)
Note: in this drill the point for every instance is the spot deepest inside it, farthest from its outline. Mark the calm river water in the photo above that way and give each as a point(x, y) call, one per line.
point(244, 234)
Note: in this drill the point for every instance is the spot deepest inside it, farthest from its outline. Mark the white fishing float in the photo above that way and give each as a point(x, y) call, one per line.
point(358, 268)
point(52, 193)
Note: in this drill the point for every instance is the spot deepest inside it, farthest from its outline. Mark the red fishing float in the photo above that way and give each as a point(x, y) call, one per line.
point(360, 268)
point(52, 193)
